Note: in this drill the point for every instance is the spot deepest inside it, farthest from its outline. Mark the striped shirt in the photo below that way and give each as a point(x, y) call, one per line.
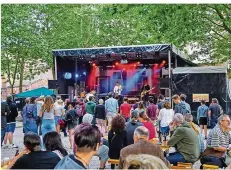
point(218, 138)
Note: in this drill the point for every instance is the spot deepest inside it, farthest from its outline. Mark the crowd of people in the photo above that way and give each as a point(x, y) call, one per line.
point(110, 129)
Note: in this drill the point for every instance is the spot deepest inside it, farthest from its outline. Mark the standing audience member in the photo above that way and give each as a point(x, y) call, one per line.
point(112, 108)
point(5, 110)
point(141, 107)
point(39, 104)
point(183, 98)
point(87, 141)
point(146, 121)
point(125, 109)
point(117, 138)
point(53, 142)
point(100, 115)
point(161, 102)
point(32, 157)
point(29, 115)
point(214, 112)
point(59, 112)
point(165, 116)
point(80, 107)
point(90, 107)
point(141, 146)
point(136, 104)
point(189, 118)
point(219, 139)
point(131, 126)
point(180, 106)
point(144, 161)
point(71, 119)
point(202, 117)
point(185, 140)
point(152, 110)
point(11, 122)
point(47, 114)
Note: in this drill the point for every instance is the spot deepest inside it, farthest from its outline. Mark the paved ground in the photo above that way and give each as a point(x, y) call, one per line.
point(18, 140)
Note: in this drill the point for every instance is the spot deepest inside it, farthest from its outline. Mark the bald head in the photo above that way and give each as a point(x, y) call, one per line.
point(141, 132)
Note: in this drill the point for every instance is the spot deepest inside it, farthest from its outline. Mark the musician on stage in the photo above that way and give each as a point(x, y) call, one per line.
point(145, 89)
point(117, 89)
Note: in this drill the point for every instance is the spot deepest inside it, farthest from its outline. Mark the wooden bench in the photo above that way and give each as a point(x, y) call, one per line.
point(113, 161)
point(185, 165)
point(207, 166)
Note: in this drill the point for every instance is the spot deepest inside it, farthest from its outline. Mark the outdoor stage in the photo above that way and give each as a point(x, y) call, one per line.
point(100, 68)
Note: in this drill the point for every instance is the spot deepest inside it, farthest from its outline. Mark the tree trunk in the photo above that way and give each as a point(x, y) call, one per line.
point(21, 74)
point(12, 89)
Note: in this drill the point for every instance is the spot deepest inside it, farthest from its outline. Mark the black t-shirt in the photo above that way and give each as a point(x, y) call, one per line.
point(13, 112)
point(77, 161)
point(100, 112)
point(37, 160)
point(215, 110)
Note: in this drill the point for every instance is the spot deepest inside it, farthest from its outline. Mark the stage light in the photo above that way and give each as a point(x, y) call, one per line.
point(67, 75)
point(138, 62)
point(84, 73)
point(93, 65)
point(116, 63)
point(134, 65)
point(163, 61)
point(113, 66)
point(124, 69)
point(76, 75)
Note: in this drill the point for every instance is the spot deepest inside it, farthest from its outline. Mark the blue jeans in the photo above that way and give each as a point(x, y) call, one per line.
point(10, 127)
point(30, 126)
point(48, 125)
point(174, 158)
point(213, 122)
point(57, 120)
point(3, 132)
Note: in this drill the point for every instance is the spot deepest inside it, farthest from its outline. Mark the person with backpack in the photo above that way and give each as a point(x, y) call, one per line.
point(71, 119)
point(11, 122)
point(202, 117)
point(29, 115)
point(80, 109)
point(180, 106)
point(183, 98)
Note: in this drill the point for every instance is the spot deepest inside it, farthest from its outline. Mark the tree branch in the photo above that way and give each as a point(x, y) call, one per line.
point(214, 22)
point(218, 34)
point(223, 22)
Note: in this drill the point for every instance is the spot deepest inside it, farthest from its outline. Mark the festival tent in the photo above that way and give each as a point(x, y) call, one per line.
point(35, 93)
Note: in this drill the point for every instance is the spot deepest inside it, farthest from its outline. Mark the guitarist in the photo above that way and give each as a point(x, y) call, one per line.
point(117, 89)
point(146, 88)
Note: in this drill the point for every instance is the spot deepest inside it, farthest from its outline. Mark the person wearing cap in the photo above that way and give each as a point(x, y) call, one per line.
point(131, 126)
point(11, 122)
point(185, 139)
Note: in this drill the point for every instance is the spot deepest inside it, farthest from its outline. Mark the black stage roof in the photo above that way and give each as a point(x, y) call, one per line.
point(150, 51)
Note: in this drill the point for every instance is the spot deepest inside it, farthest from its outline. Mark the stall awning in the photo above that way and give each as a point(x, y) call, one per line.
point(35, 93)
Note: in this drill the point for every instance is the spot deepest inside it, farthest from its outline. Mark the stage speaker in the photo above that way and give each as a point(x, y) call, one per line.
point(53, 84)
point(164, 82)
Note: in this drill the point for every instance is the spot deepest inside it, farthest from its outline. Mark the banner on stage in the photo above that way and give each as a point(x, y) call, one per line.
point(199, 97)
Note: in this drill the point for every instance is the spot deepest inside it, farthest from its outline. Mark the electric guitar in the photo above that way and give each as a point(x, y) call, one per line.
point(143, 93)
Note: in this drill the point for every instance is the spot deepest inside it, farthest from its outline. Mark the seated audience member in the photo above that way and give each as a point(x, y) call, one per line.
point(219, 138)
point(165, 116)
point(131, 126)
point(152, 110)
point(117, 138)
point(52, 142)
point(185, 140)
point(144, 161)
point(33, 157)
point(189, 118)
point(146, 121)
point(125, 109)
point(87, 140)
point(141, 146)
point(103, 149)
point(100, 115)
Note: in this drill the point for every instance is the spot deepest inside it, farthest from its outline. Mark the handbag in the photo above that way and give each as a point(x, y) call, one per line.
point(213, 153)
point(61, 123)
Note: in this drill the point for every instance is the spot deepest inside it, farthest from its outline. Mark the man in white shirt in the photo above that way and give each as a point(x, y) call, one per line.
point(117, 89)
